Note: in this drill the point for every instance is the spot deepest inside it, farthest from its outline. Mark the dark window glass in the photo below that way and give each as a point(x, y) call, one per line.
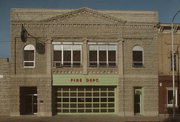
point(103, 110)
point(88, 110)
point(88, 100)
point(96, 94)
point(112, 58)
point(67, 58)
point(93, 58)
point(95, 99)
point(73, 94)
point(73, 105)
point(28, 63)
point(80, 99)
point(80, 105)
point(76, 58)
point(103, 105)
point(96, 105)
point(88, 105)
point(103, 99)
point(110, 110)
point(57, 56)
point(65, 94)
point(28, 55)
point(102, 58)
point(137, 58)
point(73, 99)
point(88, 94)
point(110, 99)
point(170, 96)
point(66, 105)
point(174, 62)
point(65, 110)
point(65, 99)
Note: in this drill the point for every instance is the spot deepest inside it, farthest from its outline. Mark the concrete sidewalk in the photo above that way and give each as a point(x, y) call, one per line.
point(84, 118)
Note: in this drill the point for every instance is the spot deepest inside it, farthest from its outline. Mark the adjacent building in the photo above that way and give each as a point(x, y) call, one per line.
point(79, 61)
point(165, 68)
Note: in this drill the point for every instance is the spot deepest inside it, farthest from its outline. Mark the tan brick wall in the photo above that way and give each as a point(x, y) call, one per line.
point(93, 26)
point(145, 77)
point(4, 86)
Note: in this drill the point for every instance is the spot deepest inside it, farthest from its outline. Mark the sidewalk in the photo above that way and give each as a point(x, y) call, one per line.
point(85, 118)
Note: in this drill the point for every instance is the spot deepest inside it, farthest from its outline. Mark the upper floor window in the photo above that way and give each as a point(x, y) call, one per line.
point(175, 65)
point(137, 56)
point(67, 54)
point(102, 55)
point(29, 56)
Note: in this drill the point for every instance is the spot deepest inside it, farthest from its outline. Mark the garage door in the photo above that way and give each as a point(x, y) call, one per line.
point(89, 99)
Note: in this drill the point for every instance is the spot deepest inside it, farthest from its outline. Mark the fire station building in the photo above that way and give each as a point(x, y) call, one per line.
point(81, 61)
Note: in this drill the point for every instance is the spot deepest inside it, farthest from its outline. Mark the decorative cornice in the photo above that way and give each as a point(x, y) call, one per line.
point(82, 11)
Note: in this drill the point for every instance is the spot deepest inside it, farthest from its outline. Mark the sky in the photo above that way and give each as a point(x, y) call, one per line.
point(166, 9)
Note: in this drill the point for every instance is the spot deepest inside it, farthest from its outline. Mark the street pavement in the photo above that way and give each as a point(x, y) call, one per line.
point(85, 118)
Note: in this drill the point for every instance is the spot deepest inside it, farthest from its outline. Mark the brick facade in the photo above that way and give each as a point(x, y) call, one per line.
point(165, 70)
point(4, 86)
point(124, 28)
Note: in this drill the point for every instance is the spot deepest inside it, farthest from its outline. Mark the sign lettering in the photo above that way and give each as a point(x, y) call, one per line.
point(87, 80)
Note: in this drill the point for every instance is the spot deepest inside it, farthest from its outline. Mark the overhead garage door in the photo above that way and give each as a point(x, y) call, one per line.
point(84, 99)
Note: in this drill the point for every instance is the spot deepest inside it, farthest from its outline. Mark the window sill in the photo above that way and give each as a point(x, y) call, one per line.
point(29, 67)
point(102, 67)
point(171, 106)
point(67, 67)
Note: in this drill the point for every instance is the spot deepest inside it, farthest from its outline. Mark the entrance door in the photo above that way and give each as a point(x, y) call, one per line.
point(28, 100)
point(137, 100)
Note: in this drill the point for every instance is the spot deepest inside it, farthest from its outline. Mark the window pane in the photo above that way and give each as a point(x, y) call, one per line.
point(170, 96)
point(57, 56)
point(28, 55)
point(137, 55)
point(67, 47)
point(57, 47)
point(93, 58)
point(67, 58)
point(137, 58)
point(174, 62)
point(28, 63)
point(112, 58)
point(112, 47)
point(102, 58)
point(76, 58)
point(102, 47)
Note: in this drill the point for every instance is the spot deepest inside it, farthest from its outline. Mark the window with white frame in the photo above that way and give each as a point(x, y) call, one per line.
point(102, 54)
point(137, 53)
point(29, 56)
point(170, 97)
point(67, 54)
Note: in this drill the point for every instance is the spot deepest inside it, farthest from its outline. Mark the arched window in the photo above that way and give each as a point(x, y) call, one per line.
point(29, 56)
point(137, 56)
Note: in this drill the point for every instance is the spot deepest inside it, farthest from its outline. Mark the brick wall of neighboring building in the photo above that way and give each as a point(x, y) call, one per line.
point(165, 67)
point(4, 86)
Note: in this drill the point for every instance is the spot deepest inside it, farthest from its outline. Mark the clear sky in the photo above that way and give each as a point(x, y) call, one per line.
point(166, 9)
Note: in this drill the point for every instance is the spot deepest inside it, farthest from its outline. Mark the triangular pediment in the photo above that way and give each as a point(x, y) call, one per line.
point(84, 16)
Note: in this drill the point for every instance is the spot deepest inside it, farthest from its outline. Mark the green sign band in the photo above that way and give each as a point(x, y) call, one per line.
point(85, 80)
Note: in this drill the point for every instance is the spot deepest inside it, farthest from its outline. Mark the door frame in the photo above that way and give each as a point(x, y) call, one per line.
point(138, 91)
point(27, 94)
